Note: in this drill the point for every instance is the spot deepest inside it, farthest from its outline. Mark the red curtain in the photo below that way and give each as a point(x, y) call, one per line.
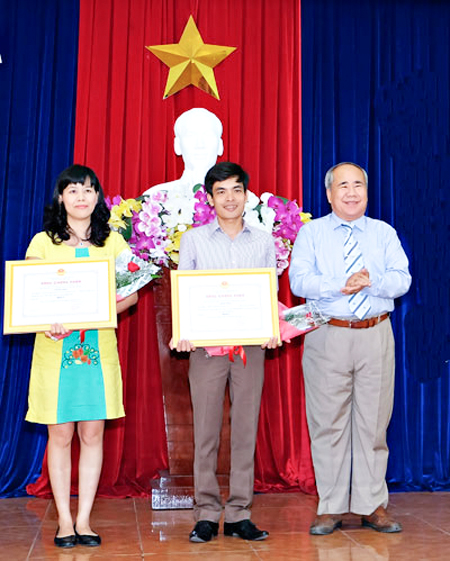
point(124, 130)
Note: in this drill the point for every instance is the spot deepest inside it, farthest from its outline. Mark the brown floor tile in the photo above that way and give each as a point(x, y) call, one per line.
point(15, 542)
point(283, 519)
point(85, 554)
point(22, 511)
point(302, 546)
point(132, 531)
point(180, 543)
point(275, 500)
point(204, 556)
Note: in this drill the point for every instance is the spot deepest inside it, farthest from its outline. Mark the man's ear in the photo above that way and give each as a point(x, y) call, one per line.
point(176, 146)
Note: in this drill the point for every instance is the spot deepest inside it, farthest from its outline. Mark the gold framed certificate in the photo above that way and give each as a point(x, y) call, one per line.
point(80, 294)
point(224, 306)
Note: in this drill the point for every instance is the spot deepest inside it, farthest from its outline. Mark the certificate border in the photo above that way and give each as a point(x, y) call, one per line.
point(177, 276)
point(10, 266)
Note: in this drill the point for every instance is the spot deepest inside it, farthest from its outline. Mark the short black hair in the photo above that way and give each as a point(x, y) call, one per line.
point(222, 171)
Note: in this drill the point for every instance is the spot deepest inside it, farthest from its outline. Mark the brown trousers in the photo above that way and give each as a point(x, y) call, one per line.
point(208, 377)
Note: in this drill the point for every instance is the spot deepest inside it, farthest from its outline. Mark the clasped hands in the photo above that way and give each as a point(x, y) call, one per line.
point(356, 282)
point(185, 346)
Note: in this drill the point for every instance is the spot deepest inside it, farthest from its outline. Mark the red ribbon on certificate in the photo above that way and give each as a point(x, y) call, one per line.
point(237, 350)
point(230, 351)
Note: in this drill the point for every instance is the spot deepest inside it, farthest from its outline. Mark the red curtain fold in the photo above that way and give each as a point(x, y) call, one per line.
point(124, 130)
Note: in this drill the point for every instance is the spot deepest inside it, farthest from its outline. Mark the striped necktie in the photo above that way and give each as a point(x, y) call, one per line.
point(359, 303)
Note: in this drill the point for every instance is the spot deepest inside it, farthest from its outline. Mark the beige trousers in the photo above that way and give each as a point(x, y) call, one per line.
point(349, 386)
point(208, 377)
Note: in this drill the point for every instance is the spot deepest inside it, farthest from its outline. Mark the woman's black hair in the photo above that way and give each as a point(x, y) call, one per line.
point(55, 216)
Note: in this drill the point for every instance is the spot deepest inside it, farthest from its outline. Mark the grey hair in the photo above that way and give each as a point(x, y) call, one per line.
point(329, 175)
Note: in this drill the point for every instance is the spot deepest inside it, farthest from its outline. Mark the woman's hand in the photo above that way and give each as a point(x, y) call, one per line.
point(126, 302)
point(57, 331)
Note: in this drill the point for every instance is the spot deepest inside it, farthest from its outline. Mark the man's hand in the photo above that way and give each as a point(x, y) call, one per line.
point(183, 346)
point(356, 282)
point(272, 343)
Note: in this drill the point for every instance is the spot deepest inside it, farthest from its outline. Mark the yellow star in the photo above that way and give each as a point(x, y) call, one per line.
point(191, 61)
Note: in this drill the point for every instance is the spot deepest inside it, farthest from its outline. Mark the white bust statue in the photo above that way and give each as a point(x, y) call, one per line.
point(198, 139)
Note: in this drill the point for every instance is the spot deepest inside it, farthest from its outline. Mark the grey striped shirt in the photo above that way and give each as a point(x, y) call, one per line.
point(208, 247)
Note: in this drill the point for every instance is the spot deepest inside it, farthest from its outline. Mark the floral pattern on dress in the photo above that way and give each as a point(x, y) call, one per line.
point(81, 354)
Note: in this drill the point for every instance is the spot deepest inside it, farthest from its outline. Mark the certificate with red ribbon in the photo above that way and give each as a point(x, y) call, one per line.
point(224, 306)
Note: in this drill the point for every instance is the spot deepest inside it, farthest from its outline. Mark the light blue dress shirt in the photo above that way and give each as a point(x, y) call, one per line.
point(317, 264)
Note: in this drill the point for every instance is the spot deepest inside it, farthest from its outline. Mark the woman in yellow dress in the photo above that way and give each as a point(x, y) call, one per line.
point(75, 380)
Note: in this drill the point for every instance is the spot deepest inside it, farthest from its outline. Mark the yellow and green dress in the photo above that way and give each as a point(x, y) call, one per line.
point(76, 378)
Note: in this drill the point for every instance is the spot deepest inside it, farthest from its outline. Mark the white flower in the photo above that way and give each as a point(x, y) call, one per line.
point(265, 197)
point(179, 208)
point(251, 217)
point(252, 201)
point(268, 217)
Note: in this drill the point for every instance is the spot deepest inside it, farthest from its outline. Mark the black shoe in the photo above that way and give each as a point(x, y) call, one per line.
point(203, 531)
point(244, 529)
point(66, 541)
point(87, 539)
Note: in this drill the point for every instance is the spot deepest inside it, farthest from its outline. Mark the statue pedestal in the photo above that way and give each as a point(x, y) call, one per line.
point(175, 488)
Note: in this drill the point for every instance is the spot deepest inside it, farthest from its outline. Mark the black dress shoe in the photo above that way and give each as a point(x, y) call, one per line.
point(65, 541)
point(203, 531)
point(87, 539)
point(244, 529)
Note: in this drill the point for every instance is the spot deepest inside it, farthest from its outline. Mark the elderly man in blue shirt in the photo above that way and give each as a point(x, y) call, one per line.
point(353, 267)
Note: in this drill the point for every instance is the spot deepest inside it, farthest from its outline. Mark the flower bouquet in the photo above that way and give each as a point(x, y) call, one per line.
point(132, 273)
point(299, 319)
point(153, 224)
point(280, 217)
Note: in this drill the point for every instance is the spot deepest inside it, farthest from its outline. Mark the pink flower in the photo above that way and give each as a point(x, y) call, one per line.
point(282, 250)
point(159, 196)
point(157, 228)
point(204, 213)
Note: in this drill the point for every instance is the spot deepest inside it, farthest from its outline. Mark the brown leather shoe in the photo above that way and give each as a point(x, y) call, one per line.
point(380, 521)
point(325, 524)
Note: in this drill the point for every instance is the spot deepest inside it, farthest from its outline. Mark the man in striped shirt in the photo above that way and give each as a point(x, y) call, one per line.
point(226, 243)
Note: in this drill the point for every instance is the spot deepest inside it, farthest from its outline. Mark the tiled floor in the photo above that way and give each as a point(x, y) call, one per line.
point(131, 531)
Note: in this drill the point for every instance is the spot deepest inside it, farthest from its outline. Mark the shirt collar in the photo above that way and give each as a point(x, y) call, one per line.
point(214, 227)
point(360, 222)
